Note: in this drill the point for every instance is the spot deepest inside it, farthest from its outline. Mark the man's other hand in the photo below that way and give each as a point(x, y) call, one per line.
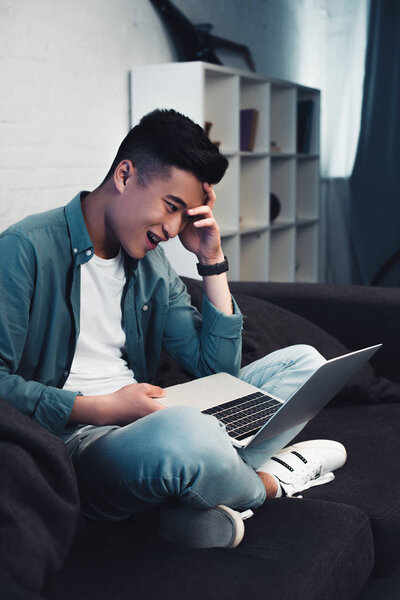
point(124, 406)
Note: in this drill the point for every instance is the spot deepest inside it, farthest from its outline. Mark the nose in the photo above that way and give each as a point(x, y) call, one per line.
point(174, 226)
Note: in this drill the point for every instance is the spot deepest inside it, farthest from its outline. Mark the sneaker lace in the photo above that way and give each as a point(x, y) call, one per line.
point(306, 478)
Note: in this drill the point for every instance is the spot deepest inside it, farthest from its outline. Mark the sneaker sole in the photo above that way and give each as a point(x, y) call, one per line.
point(239, 525)
point(217, 527)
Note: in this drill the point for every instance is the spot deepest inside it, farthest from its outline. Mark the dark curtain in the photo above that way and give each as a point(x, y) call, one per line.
point(375, 182)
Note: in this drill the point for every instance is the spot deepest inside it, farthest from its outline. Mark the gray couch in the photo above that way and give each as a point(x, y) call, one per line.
point(342, 540)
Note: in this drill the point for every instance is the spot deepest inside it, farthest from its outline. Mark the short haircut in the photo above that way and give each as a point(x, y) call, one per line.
point(165, 139)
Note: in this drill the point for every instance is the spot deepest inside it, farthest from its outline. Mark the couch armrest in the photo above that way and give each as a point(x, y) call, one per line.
point(356, 315)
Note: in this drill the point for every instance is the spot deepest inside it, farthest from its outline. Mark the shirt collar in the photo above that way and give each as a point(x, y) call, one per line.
point(81, 244)
point(131, 264)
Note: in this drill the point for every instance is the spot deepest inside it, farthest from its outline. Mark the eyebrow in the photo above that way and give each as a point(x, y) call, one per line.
point(177, 200)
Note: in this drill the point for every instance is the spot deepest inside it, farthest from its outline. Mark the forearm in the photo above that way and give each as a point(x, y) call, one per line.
point(217, 291)
point(216, 287)
point(202, 237)
point(49, 406)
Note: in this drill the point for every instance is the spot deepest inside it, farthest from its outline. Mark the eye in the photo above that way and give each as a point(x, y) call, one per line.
point(170, 206)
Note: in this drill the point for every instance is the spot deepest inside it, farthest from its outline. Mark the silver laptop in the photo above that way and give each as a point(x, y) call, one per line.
point(250, 414)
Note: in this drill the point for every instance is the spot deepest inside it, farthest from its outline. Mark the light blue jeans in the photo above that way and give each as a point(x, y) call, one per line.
point(183, 454)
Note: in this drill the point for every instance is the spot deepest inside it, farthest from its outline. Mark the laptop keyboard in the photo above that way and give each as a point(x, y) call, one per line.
point(244, 416)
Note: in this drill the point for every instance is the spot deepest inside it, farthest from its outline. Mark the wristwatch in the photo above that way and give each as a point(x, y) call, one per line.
point(216, 269)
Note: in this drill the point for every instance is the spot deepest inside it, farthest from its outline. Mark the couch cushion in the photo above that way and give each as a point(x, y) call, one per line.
point(268, 327)
point(308, 550)
point(39, 503)
point(370, 479)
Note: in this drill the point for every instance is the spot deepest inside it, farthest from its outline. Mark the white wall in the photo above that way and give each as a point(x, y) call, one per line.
point(63, 94)
point(287, 37)
point(63, 68)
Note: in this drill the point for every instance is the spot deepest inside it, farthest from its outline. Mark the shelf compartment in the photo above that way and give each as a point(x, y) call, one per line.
point(283, 185)
point(256, 94)
point(254, 192)
point(254, 256)
point(221, 99)
point(226, 207)
point(308, 130)
point(307, 252)
point(282, 254)
point(307, 189)
point(283, 118)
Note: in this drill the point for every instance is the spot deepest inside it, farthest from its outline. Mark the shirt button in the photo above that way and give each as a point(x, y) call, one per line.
point(88, 252)
point(145, 307)
point(75, 250)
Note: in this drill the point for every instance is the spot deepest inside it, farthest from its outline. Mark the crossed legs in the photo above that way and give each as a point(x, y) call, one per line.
point(184, 454)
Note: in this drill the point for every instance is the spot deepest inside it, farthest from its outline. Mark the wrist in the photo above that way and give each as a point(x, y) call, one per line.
point(207, 260)
point(101, 410)
point(91, 410)
point(213, 269)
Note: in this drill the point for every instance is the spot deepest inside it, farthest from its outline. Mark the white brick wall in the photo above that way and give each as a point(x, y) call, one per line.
point(63, 80)
point(63, 94)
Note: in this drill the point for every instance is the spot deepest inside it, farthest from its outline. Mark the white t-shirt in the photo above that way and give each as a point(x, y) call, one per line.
point(99, 365)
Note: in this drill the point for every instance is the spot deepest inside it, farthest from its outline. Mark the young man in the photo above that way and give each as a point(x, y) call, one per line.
point(88, 300)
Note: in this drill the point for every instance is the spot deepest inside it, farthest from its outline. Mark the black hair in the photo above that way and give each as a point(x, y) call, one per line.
point(164, 139)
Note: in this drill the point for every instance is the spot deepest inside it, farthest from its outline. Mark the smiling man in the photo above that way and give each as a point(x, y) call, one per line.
point(87, 302)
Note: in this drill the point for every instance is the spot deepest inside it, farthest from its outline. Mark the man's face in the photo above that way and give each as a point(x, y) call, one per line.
point(141, 217)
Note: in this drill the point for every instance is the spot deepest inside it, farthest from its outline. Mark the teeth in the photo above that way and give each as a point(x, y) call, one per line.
point(153, 238)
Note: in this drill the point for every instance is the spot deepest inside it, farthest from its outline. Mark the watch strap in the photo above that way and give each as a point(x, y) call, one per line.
point(216, 269)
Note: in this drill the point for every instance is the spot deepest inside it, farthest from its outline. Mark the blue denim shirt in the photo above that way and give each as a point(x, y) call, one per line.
point(40, 260)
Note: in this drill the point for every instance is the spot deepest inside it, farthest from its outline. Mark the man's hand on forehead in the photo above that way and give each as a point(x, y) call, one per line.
point(202, 236)
point(206, 199)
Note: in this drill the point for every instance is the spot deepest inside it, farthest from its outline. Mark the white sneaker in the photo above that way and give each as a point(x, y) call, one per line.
point(305, 465)
point(216, 527)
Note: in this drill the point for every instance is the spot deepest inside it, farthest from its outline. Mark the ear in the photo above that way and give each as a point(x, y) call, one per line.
point(122, 174)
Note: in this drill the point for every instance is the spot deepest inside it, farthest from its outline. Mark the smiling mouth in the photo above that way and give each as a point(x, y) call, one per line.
point(153, 239)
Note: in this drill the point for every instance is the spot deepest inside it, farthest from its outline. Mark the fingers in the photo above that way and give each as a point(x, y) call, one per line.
point(202, 216)
point(199, 211)
point(155, 391)
point(205, 223)
point(204, 209)
point(146, 402)
point(147, 389)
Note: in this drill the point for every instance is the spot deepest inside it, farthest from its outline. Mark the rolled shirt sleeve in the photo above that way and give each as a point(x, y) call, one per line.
point(202, 344)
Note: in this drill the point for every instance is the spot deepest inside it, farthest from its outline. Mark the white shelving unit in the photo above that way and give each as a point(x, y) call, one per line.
point(286, 249)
